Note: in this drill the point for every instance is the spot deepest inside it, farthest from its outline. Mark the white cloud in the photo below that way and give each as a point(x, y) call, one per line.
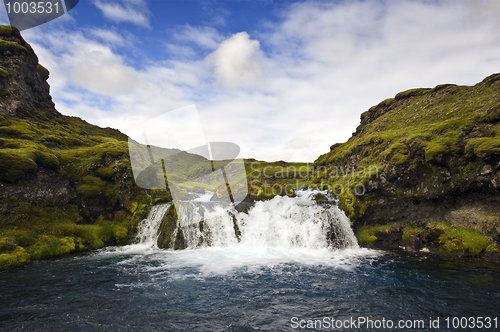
point(133, 11)
point(237, 61)
point(108, 36)
point(323, 65)
point(102, 72)
point(205, 37)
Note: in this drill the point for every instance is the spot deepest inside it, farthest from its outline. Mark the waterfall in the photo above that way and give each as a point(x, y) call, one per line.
point(296, 223)
point(207, 224)
point(149, 227)
point(282, 222)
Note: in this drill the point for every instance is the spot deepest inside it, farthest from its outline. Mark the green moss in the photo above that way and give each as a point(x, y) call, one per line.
point(84, 154)
point(42, 72)
point(45, 158)
point(10, 46)
point(167, 229)
point(20, 130)
point(483, 147)
point(434, 128)
point(399, 158)
point(492, 79)
point(442, 119)
point(14, 258)
point(459, 240)
point(9, 31)
point(366, 234)
point(120, 216)
point(492, 249)
point(444, 87)
point(448, 144)
point(433, 150)
point(92, 236)
point(265, 194)
point(90, 186)
point(106, 172)
point(24, 158)
point(120, 233)
point(48, 246)
point(409, 230)
point(388, 102)
point(14, 165)
point(352, 205)
point(411, 93)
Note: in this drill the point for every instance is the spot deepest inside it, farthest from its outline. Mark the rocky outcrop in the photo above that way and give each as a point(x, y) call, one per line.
point(426, 158)
point(170, 237)
point(24, 90)
point(65, 185)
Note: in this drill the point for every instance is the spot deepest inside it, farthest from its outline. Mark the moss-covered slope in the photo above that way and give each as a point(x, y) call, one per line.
point(424, 158)
point(65, 185)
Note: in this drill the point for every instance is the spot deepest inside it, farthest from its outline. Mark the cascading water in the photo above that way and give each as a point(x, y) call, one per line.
point(296, 223)
point(282, 222)
point(149, 227)
point(263, 270)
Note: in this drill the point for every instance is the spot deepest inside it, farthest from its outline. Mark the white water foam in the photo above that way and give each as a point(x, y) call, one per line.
point(204, 197)
point(280, 231)
point(148, 232)
point(205, 262)
point(285, 222)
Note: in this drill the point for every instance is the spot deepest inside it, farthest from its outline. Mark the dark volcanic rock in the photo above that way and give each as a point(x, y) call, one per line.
point(427, 156)
point(23, 82)
point(389, 240)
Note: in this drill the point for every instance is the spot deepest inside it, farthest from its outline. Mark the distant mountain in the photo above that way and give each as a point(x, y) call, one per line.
point(423, 166)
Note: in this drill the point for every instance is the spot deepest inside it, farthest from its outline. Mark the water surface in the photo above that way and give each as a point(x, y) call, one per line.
point(135, 288)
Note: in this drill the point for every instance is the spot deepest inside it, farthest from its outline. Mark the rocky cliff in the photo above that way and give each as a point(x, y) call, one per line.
point(24, 81)
point(65, 185)
point(422, 170)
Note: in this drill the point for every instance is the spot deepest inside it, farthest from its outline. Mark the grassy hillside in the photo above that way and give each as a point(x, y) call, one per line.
point(422, 160)
point(68, 186)
point(427, 125)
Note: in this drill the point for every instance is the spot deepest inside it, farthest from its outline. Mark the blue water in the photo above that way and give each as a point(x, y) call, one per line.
point(241, 289)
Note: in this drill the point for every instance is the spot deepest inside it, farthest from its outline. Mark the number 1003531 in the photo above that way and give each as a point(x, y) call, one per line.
point(472, 322)
point(18, 7)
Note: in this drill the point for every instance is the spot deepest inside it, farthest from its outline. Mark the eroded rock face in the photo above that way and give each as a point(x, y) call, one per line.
point(437, 158)
point(65, 185)
point(23, 82)
point(46, 185)
point(170, 237)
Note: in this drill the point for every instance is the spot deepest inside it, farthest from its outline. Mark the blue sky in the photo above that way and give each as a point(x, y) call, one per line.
point(282, 79)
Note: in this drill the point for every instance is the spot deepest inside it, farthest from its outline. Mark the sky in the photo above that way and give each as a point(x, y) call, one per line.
point(284, 80)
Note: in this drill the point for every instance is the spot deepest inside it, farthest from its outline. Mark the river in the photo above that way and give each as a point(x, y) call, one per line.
point(280, 275)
